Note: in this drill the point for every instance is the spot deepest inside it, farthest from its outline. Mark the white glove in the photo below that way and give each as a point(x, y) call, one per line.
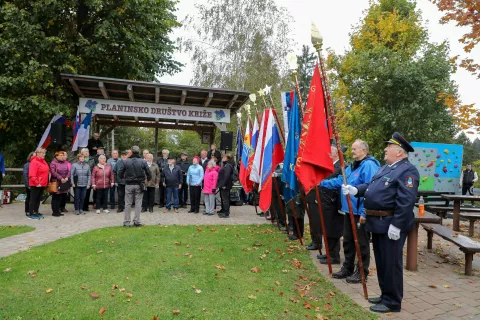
point(348, 189)
point(393, 232)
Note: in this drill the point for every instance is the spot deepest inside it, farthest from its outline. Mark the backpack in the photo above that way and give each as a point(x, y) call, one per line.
point(235, 173)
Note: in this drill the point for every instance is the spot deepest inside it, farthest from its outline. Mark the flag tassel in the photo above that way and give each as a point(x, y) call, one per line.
point(318, 47)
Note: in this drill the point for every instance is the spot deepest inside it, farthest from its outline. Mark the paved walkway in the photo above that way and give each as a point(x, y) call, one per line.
point(439, 290)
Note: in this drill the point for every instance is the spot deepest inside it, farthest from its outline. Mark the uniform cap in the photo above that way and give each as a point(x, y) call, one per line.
point(401, 142)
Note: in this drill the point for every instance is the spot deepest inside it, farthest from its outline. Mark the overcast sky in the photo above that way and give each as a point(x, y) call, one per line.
point(334, 19)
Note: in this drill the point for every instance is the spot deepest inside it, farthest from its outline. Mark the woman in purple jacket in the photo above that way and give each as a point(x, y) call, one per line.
point(59, 171)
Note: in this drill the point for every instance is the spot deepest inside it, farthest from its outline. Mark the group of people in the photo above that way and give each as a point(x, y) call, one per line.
point(382, 200)
point(129, 177)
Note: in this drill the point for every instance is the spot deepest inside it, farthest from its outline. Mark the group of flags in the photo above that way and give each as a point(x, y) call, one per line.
point(307, 156)
point(80, 131)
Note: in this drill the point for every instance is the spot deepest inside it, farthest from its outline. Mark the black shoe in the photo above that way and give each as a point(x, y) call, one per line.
point(126, 226)
point(321, 256)
point(376, 300)
point(220, 212)
point(312, 246)
point(63, 210)
point(342, 274)
point(190, 211)
point(120, 210)
point(161, 206)
point(381, 308)
point(196, 211)
point(355, 277)
point(224, 216)
point(292, 237)
point(61, 214)
point(138, 225)
point(332, 261)
point(144, 210)
point(151, 209)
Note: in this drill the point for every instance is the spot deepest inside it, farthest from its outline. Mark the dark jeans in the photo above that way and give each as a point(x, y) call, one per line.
point(121, 196)
point(349, 245)
point(101, 199)
point(148, 198)
point(225, 196)
point(35, 199)
point(27, 200)
point(87, 199)
point(195, 193)
point(183, 194)
point(56, 203)
point(80, 193)
point(161, 190)
point(172, 192)
point(112, 197)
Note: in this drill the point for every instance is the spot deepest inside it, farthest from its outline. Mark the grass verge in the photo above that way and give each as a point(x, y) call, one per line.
point(8, 231)
point(174, 272)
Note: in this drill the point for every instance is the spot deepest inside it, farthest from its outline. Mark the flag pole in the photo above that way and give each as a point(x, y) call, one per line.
point(319, 202)
point(317, 43)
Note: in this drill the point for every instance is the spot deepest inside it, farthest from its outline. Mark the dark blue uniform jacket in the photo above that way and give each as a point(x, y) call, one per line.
point(392, 188)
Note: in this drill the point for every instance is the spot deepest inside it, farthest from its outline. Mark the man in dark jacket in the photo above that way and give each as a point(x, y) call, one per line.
point(172, 182)
point(184, 164)
point(135, 171)
point(225, 184)
point(214, 153)
point(94, 143)
point(334, 221)
point(467, 180)
point(120, 182)
point(162, 163)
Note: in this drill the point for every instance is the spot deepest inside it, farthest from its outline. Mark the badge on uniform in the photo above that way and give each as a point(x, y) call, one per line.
point(387, 179)
point(409, 182)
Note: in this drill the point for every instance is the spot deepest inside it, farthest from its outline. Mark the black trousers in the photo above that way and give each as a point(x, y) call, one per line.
point(35, 199)
point(225, 197)
point(112, 197)
point(349, 245)
point(334, 247)
point(56, 203)
point(292, 226)
point(195, 193)
point(465, 188)
point(148, 198)
point(389, 260)
point(183, 194)
point(87, 199)
point(162, 192)
point(121, 196)
point(27, 200)
point(101, 199)
point(63, 203)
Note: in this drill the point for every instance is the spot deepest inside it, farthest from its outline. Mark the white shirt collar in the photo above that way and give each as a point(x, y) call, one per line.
point(391, 165)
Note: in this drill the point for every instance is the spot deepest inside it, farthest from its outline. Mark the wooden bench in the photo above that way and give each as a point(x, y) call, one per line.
point(471, 217)
point(465, 244)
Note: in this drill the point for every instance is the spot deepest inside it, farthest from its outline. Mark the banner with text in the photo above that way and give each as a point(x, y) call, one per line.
point(153, 110)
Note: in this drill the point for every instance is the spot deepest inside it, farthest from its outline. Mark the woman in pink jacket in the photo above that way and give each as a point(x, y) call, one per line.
point(37, 181)
point(102, 181)
point(209, 187)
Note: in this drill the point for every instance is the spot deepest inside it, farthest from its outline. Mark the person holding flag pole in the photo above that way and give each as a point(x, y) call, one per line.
point(317, 42)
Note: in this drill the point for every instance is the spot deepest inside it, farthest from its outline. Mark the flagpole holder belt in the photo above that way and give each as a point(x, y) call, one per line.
point(379, 213)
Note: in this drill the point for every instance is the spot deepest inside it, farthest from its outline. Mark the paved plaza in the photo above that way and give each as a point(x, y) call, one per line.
point(438, 290)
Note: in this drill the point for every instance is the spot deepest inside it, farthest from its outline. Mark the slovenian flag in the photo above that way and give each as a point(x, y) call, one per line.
point(81, 138)
point(272, 156)
point(45, 140)
point(257, 141)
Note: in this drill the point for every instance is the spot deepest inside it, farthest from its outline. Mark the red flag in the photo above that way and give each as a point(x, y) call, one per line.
point(314, 162)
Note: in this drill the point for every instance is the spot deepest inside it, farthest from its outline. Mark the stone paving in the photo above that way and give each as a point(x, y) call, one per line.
point(438, 290)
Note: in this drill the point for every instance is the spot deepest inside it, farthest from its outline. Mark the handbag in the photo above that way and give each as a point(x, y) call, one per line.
point(52, 186)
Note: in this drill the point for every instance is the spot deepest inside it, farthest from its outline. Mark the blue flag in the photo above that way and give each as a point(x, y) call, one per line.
point(239, 144)
point(291, 150)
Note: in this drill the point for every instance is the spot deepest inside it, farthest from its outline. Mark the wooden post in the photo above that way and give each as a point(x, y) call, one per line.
point(156, 143)
point(412, 243)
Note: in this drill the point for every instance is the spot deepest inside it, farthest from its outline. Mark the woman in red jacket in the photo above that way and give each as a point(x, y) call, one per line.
point(37, 180)
point(102, 181)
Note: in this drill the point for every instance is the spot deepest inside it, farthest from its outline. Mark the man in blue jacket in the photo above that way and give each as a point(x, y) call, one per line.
point(389, 201)
point(359, 172)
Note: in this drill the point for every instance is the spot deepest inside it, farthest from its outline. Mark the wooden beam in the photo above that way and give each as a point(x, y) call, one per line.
point(130, 92)
point(101, 85)
point(110, 129)
point(76, 88)
point(123, 123)
point(230, 104)
point(184, 95)
point(157, 95)
point(208, 99)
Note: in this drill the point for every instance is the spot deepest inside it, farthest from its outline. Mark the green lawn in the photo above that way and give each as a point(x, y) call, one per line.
point(175, 272)
point(8, 231)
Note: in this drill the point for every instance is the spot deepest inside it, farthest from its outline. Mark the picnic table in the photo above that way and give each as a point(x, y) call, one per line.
point(412, 239)
point(457, 201)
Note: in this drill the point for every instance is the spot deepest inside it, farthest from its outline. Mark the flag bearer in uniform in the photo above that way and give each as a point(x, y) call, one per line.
point(389, 200)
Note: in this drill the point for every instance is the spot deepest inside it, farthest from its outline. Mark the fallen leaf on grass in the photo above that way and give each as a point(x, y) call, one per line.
point(49, 290)
point(277, 283)
point(331, 294)
point(114, 287)
point(33, 275)
point(252, 297)
point(112, 294)
point(94, 295)
point(177, 243)
point(200, 249)
point(155, 318)
point(187, 254)
point(204, 309)
point(307, 305)
point(83, 287)
point(187, 246)
point(327, 306)
point(31, 272)
point(121, 290)
point(100, 251)
point(129, 295)
point(255, 270)
point(320, 317)
point(281, 294)
point(303, 278)
point(286, 310)
point(176, 311)
point(219, 267)
point(7, 270)
point(284, 271)
point(213, 229)
point(198, 291)
point(102, 311)
point(294, 300)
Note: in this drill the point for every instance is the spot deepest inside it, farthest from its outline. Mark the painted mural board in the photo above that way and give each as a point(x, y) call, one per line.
point(439, 165)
